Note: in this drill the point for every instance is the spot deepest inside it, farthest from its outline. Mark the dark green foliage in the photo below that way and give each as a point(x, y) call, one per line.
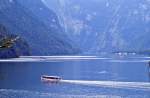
point(18, 48)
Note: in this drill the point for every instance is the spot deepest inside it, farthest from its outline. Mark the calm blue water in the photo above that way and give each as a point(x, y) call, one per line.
point(20, 78)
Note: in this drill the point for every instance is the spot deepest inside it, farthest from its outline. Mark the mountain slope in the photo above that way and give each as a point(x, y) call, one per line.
point(109, 25)
point(43, 40)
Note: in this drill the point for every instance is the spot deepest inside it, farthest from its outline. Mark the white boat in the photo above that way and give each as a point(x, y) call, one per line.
point(51, 79)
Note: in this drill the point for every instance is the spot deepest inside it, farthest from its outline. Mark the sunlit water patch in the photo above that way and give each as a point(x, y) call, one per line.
point(76, 58)
point(52, 58)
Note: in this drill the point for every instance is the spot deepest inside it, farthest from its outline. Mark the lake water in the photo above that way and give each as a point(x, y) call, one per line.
point(82, 77)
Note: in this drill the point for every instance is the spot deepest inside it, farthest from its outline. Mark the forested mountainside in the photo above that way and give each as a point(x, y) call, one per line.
point(38, 25)
point(16, 49)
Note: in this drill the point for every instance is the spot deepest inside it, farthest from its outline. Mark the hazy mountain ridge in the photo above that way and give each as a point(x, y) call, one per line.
point(106, 26)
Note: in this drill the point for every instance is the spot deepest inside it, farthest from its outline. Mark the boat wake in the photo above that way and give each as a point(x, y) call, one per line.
point(112, 84)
